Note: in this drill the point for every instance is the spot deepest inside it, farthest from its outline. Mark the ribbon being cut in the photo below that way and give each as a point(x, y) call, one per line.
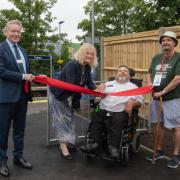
point(74, 88)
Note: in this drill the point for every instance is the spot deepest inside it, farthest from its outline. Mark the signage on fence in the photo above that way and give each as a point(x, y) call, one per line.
point(39, 57)
point(41, 64)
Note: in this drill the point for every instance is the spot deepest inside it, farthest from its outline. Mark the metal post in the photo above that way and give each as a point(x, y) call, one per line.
point(51, 67)
point(102, 59)
point(92, 37)
point(92, 18)
point(48, 120)
point(60, 22)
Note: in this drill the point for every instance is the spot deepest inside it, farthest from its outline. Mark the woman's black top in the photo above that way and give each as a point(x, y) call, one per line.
point(74, 73)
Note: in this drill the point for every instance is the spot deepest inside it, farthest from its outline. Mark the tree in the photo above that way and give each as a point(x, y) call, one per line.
point(153, 14)
point(65, 51)
point(36, 20)
point(112, 17)
point(116, 17)
point(64, 55)
point(168, 12)
point(144, 16)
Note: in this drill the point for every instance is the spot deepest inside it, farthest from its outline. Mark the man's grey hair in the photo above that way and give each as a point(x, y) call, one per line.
point(15, 21)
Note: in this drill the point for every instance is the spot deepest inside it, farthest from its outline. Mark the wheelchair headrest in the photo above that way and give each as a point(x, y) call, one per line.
point(137, 82)
point(132, 72)
point(112, 78)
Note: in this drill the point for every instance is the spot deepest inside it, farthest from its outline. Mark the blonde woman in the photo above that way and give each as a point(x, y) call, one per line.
point(77, 72)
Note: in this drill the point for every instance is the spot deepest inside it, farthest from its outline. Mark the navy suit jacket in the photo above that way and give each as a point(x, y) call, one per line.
point(10, 76)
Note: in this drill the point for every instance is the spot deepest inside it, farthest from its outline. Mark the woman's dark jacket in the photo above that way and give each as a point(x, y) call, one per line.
point(74, 73)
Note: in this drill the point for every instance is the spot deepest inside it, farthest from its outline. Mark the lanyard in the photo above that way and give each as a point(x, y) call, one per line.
point(82, 77)
point(163, 60)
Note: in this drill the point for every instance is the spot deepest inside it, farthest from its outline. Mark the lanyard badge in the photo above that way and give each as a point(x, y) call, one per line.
point(159, 74)
point(157, 79)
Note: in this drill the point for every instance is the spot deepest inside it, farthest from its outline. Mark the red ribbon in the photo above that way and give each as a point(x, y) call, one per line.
point(133, 92)
point(71, 87)
point(67, 86)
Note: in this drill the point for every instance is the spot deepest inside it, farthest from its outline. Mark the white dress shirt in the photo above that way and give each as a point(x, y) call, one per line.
point(118, 103)
point(21, 54)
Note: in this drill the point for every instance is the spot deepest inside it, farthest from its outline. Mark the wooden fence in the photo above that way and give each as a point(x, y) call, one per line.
point(134, 50)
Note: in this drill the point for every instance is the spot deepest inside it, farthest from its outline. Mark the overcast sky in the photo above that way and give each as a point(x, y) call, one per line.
point(69, 11)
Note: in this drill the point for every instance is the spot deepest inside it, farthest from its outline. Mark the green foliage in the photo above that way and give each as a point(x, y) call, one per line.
point(168, 12)
point(65, 51)
point(116, 17)
point(64, 55)
point(36, 18)
point(111, 17)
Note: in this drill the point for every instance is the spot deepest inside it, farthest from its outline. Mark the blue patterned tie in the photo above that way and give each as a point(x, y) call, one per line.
point(18, 57)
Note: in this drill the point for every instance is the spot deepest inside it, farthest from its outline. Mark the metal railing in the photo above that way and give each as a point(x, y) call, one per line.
point(142, 126)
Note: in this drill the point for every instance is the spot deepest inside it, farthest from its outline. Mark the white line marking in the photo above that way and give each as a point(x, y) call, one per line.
point(148, 149)
point(39, 101)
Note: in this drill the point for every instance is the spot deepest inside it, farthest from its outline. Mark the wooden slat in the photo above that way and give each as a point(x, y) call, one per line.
point(116, 68)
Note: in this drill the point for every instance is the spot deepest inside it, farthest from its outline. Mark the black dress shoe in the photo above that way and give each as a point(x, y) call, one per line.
point(23, 163)
point(90, 148)
point(68, 157)
point(4, 170)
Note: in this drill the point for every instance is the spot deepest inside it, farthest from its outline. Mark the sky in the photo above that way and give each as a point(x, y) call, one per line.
point(69, 11)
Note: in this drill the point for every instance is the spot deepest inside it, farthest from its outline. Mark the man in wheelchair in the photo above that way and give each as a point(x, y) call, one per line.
point(112, 115)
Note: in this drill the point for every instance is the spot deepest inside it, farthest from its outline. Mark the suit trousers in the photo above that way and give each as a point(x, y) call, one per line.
point(15, 114)
point(112, 122)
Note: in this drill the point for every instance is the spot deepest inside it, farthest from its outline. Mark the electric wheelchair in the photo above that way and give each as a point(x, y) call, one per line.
point(128, 143)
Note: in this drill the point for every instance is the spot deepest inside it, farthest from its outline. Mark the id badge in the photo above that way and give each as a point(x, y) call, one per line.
point(157, 80)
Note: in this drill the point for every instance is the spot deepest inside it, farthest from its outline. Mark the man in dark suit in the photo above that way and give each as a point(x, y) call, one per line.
point(14, 95)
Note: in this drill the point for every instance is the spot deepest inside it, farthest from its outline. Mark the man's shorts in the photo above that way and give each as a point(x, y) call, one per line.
point(170, 113)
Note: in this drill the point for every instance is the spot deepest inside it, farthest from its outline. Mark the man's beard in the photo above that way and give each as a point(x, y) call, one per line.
point(122, 79)
point(166, 48)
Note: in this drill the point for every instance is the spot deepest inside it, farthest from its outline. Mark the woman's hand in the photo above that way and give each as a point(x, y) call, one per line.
point(101, 87)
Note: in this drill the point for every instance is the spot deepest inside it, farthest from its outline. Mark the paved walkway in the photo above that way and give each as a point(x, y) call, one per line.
point(48, 164)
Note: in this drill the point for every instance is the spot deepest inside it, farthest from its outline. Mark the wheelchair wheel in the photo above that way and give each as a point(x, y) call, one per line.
point(124, 156)
point(89, 157)
point(136, 141)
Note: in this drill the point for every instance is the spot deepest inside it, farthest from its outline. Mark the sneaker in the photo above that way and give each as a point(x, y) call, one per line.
point(174, 162)
point(159, 155)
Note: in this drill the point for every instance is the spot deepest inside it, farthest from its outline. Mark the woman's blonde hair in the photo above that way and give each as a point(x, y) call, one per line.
point(12, 22)
point(80, 54)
